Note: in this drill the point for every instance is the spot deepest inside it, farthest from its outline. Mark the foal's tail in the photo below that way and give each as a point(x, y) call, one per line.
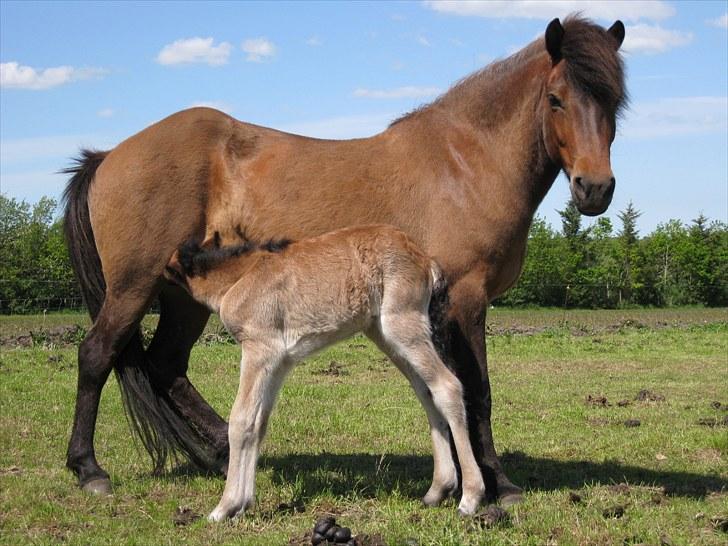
point(438, 312)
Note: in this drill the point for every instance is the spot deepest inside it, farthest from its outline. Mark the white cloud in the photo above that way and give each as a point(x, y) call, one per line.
point(16, 76)
point(651, 39)
point(676, 116)
point(314, 41)
point(423, 41)
point(105, 113)
point(626, 10)
point(341, 127)
point(195, 50)
point(720, 22)
point(258, 49)
point(406, 92)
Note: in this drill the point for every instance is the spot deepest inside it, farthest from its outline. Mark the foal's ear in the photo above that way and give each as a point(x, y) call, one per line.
point(554, 37)
point(617, 32)
point(175, 271)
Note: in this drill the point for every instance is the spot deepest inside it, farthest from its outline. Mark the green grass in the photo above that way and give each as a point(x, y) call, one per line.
point(356, 444)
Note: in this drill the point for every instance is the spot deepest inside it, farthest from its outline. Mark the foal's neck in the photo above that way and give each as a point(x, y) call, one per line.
point(211, 288)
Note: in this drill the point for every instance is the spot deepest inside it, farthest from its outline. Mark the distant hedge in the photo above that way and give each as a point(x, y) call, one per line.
point(595, 267)
point(35, 271)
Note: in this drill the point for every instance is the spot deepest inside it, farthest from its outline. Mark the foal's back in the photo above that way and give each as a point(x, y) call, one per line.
point(324, 289)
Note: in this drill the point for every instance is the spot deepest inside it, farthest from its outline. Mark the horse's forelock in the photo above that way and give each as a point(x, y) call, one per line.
point(593, 63)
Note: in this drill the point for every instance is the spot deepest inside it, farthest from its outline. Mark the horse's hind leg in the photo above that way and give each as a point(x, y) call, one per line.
point(181, 322)
point(114, 327)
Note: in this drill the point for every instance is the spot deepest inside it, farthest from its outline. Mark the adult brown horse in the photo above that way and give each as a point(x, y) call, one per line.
point(462, 177)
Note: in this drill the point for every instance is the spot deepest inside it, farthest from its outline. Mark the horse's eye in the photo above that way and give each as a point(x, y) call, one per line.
point(554, 102)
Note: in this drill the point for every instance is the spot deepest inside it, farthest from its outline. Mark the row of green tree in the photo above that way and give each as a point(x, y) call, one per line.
point(596, 266)
point(600, 266)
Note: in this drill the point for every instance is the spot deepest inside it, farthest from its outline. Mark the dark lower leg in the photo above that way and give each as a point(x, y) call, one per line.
point(180, 324)
point(95, 360)
point(476, 384)
point(466, 339)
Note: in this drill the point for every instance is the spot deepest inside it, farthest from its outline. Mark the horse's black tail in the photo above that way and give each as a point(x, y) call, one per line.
point(77, 229)
point(150, 413)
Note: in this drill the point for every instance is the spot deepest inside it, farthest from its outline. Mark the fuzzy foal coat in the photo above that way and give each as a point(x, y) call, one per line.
point(284, 305)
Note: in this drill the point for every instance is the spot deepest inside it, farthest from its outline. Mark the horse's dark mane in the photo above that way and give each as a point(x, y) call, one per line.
point(196, 260)
point(593, 65)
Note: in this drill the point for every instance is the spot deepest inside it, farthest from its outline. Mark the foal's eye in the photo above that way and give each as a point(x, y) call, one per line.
point(554, 102)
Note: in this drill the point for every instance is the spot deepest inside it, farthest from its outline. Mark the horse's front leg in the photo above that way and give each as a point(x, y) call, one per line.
point(467, 338)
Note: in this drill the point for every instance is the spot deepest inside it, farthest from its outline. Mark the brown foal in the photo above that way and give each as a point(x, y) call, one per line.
point(284, 302)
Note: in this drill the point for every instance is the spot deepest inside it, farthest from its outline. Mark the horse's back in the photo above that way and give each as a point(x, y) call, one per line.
point(151, 191)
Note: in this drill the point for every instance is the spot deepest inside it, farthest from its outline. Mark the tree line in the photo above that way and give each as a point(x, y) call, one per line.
point(593, 267)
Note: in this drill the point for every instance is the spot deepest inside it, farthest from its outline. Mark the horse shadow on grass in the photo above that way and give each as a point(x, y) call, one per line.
point(368, 475)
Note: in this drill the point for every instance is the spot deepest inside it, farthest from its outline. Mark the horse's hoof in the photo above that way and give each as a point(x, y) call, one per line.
point(509, 499)
point(99, 486)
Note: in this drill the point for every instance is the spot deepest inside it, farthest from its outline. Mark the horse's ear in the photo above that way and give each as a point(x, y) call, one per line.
point(554, 37)
point(617, 32)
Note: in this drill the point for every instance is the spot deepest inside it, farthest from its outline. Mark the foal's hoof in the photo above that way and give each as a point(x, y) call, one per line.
point(99, 486)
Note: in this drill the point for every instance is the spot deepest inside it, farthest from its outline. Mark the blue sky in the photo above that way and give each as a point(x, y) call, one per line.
point(90, 74)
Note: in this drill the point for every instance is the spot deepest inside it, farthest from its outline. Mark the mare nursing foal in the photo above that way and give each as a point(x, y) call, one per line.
point(283, 301)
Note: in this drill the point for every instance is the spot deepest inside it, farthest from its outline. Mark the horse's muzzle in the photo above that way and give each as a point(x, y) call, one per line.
point(592, 197)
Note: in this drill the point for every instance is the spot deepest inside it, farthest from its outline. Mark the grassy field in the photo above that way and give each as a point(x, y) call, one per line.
point(349, 438)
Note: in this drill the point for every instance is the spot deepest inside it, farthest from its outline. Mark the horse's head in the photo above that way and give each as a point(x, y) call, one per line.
point(582, 98)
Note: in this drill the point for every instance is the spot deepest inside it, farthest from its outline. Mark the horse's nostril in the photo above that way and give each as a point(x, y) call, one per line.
point(577, 181)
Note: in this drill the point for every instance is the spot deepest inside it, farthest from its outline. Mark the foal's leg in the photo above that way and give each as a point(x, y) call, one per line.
point(114, 326)
point(408, 336)
point(181, 322)
point(444, 474)
point(262, 371)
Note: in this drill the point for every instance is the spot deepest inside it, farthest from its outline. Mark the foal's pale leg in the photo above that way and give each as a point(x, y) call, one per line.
point(444, 474)
point(409, 337)
point(261, 375)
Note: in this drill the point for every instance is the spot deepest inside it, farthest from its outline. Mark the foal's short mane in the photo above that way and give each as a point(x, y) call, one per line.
point(196, 260)
point(593, 65)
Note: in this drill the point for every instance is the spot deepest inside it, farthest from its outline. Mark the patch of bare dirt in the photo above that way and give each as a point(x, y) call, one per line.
point(598, 401)
point(58, 336)
point(714, 421)
point(646, 395)
point(614, 512)
point(334, 369)
point(492, 516)
point(184, 516)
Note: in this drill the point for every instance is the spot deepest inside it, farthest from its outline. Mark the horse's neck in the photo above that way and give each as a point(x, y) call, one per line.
point(502, 105)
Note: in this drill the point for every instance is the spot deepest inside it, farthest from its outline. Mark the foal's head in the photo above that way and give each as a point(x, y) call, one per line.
point(583, 97)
